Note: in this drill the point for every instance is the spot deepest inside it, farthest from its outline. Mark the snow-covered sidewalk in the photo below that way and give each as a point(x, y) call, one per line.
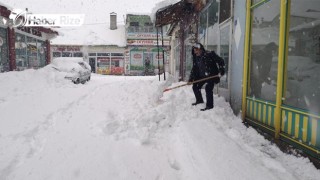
point(118, 127)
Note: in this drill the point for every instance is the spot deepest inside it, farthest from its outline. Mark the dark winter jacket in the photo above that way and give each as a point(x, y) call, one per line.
point(206, 65)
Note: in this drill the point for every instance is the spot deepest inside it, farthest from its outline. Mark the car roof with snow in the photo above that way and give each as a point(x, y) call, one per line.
point(69, 63)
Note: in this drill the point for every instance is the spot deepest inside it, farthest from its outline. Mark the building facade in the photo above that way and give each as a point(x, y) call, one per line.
point(23, 47)
point(103, 59)
point(271, 51)
point(144, 55)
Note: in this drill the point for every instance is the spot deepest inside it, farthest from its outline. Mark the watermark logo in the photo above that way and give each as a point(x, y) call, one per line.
point(21, 18)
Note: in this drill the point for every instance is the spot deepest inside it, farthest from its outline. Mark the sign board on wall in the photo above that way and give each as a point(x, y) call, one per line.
point(146, 42)
point(145, 36)
point(136, 60)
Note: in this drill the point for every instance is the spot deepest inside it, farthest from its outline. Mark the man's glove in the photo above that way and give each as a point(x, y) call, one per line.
point(222, 71)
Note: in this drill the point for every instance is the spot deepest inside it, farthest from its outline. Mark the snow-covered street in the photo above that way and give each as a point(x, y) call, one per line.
point(118, 127)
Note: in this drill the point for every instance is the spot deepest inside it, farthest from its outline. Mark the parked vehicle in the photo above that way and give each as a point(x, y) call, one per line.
point(76, 69)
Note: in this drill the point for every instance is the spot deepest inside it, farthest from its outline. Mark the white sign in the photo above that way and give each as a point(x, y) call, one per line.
point(145, 36)
point(146, 42)
point(23, 18)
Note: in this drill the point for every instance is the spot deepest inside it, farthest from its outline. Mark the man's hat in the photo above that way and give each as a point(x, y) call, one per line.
point(196, 45)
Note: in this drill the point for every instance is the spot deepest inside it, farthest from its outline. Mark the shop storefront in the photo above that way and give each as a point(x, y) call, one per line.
point(67, 51)
point(23, 47)
point(272, 56)
point(103, 59)
point(30, 51)
point(145, 60)
point(142, 55)
point(107, 63)
point(283, 86)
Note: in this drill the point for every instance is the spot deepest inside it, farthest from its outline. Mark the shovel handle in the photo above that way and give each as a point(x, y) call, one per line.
point(204, 79)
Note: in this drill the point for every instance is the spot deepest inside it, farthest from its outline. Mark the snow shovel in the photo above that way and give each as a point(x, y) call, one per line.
point(204, 79)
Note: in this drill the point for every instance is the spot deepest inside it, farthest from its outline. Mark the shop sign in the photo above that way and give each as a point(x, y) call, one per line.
point(137, 56)
point(146, 42)
point(159, 56)
point(144, 36)
point(67, 48)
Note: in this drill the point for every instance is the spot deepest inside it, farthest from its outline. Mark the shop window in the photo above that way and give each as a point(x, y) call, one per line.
point(41, 52)
point(213, 27)
point(77, 54)
point(21, 52)
point(116, 54)
point(56, 54)
point(4, 56)
point(203, 26)
point(103, 54)
point(92, 54)
point(213, 13)
point(66, 54)
point(303, 66)
point(32, 53)
point(134, 23)
point(225, 10)
point(224, 53)
point(264, 54)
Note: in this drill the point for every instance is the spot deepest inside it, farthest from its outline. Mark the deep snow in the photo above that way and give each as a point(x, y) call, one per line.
point(118, 127)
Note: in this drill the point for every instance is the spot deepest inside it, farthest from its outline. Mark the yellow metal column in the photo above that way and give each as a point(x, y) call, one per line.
point(282, 55)
point(246, 60)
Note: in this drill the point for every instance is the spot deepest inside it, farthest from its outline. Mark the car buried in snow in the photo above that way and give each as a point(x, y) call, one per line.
point(75, 68)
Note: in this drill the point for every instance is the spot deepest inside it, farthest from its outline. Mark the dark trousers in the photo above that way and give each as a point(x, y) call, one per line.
point(209, 92)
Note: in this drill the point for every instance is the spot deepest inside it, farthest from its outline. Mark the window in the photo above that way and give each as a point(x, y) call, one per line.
point(66, 54)
point(148, 24)
point(303, 66)
point(134, 23)
point(42, 53)
point(56, 54)
point(213, 27)
point(213, 14)
point(264, 53)
point(21, 51)
point(225, 10)
point(4, 57)
point(92, 54)
point(77, 54)
point(224, 53)
point(103, 54)
point(116, 54)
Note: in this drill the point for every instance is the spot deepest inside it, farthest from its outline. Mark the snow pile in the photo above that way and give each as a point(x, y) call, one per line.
point(118, 127)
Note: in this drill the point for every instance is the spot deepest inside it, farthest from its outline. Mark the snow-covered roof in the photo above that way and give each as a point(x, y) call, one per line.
point(160, 5)
point(99, 34)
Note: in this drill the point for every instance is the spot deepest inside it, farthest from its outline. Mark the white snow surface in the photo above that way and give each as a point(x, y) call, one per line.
point(118, 127)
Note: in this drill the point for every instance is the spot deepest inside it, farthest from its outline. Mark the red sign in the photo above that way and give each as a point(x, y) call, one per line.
point(159, 56)
point(68, 48)
point(137, 56)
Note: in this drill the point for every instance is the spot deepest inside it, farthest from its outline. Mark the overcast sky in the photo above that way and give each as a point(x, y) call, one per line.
point(96, 11)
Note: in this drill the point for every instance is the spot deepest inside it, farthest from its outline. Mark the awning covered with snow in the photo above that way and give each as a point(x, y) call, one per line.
point(173, 13)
